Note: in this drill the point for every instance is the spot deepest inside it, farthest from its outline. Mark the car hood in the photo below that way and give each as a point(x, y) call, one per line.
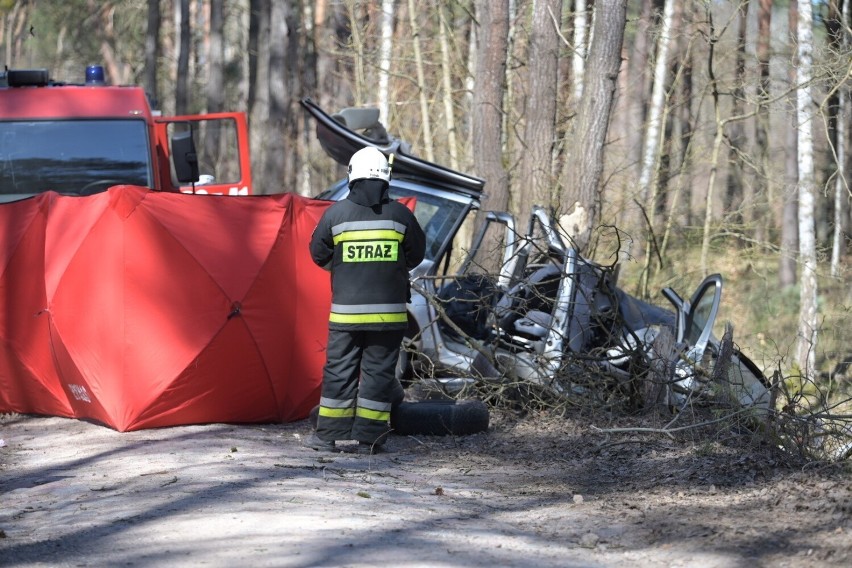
point(340, 142)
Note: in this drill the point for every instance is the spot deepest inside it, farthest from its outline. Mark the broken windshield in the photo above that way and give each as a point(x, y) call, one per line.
point(72, 156)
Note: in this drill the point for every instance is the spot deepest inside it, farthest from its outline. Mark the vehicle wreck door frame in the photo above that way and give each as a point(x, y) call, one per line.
point(509, 259)
point(699, 313)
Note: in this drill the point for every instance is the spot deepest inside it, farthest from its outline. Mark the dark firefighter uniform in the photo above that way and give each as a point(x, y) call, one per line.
point(369, 243)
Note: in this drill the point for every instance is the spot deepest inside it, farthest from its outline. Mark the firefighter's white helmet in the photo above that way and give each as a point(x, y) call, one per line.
point(368, 163)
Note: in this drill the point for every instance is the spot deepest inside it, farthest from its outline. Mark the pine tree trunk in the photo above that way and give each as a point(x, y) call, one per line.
point(733, 201)
point(428, 145)
point(216, 58)
point(446, 81)
point(593, 117)
point(789, 215)
point(181, 86)
point(152, 49)
point(274, 129)
point(763, 191)
point(492, 40)
point(536, 168)
point(841, 39)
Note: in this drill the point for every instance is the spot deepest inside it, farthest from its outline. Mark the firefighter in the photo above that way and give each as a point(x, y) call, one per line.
point(369, 243)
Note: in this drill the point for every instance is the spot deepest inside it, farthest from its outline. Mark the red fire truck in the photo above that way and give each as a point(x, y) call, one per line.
point(80, 139)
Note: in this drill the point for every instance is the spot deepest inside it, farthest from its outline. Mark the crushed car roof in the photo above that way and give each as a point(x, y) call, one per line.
point(340, 142)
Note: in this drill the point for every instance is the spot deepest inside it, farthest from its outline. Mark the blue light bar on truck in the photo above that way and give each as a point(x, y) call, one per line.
point(95, 75)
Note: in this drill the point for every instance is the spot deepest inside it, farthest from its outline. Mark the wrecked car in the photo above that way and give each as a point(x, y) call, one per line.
point(539, 312)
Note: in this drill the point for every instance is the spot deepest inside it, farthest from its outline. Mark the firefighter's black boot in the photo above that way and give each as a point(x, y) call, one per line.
point(369, 449)
point(314, 442)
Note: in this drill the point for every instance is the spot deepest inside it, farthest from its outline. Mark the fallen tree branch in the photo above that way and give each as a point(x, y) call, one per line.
point(669, 431)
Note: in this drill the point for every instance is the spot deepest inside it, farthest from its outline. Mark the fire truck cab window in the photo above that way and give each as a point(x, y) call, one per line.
point(76, 157)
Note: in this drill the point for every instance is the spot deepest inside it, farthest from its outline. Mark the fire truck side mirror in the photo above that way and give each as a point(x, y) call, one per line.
point(184, 157)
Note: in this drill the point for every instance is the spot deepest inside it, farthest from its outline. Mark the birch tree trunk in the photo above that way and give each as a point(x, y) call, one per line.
point(538, 184)
point(593, 117)
point(385, 61)
point(807, 333)
point(428, 145)
point(650, 158)
point(578, 59)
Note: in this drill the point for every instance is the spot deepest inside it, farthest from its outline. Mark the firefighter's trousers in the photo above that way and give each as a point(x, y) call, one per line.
point(353, 409)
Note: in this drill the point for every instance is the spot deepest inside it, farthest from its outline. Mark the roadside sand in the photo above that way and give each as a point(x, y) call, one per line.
point(534, 492)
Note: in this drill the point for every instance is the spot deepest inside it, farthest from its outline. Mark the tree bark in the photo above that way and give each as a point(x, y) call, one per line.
point(152, 50)
point(650, 158)
point(275, 126)
point(428, 144)
point(216, 58)
point(492, 40)
point(787, 268)
point(537, 183)
point(840, 41)
point(578, 58)
point(593, 117)
point(385, 61)
point(807, 334)
point(637, 89)
point(259, 109)
point(763, 189)
point(181, 82)
point(733, 201)
point(446, 81)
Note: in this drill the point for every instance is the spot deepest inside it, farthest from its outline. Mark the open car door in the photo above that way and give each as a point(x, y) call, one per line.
point(222, 158)
point(742, 380)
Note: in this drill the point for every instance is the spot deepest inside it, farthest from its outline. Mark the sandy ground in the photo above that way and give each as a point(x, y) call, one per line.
point(532, 491)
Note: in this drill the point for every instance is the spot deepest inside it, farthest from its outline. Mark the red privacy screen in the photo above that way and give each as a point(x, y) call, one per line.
point(140, 309)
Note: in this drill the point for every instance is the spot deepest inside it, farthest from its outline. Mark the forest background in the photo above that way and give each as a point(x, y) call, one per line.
point(683, 137)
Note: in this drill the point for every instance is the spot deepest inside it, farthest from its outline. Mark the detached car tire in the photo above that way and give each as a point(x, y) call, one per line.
point(440, 418)
point(434, 418)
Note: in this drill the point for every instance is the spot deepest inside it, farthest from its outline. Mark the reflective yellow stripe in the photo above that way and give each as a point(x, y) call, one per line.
point(336, 412)
point(373, 414)
point(368, 318)
point(373, 235)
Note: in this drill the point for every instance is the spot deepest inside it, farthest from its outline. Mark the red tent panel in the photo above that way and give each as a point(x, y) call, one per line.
point(162, 309)
point(28, 378)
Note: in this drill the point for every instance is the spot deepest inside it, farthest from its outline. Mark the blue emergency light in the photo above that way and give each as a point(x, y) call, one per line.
point(95, 75)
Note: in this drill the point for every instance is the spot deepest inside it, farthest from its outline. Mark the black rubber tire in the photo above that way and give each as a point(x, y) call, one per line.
point(440, 418)
point(433, 418)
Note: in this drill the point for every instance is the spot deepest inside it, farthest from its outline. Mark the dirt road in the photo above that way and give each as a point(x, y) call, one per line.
point(537, 491)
